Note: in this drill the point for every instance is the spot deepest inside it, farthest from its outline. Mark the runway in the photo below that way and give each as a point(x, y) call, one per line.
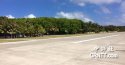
point(73, 50)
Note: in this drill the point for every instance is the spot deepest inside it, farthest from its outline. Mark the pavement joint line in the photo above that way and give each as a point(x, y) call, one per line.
point(95, 39)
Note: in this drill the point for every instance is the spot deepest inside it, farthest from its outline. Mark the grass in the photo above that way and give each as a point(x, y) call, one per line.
point(44, 37)
point(49, 36)
point(31, 38)
point(9, 40)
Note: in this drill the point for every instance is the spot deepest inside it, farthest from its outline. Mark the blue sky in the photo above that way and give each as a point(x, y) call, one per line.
point(104, 12)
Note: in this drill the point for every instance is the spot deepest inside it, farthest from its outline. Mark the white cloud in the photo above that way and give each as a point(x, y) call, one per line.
point(30, 16)
point(72, 15)
point(98, 2)
point(10, 16)
point(105, 10)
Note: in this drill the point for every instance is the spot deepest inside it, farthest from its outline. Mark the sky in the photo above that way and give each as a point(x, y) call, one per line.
point(104, 12)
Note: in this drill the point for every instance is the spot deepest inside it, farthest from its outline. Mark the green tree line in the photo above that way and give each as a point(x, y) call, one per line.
point(34, 27)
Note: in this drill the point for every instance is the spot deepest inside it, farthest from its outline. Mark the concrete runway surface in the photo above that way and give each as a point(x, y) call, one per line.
point(74, 50)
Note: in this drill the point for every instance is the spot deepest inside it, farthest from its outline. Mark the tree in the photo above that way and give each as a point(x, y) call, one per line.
point(29, 27)
point(39, 30)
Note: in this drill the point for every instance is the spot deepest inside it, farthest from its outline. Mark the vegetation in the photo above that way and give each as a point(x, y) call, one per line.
point(35, 27)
